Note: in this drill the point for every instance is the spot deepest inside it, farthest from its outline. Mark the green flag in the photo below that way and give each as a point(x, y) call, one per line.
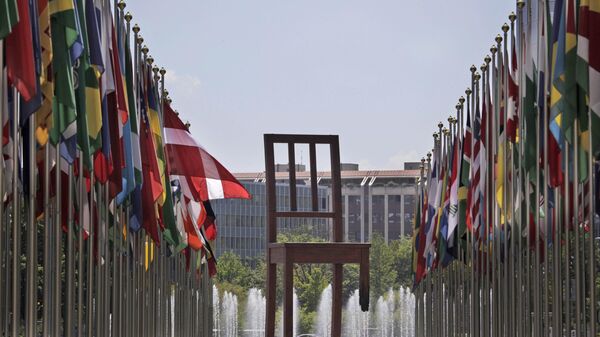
point(9, 16)
point(64, 35)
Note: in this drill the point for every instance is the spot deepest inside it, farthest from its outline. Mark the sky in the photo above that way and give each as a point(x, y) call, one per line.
point(380, 73)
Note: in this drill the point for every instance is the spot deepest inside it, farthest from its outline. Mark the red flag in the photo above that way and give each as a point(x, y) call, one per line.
point(20, 64)
point(202, 177)
point(152, 187)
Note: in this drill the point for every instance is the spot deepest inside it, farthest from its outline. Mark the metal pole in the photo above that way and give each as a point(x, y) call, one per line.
point(32, 258)
point(16, 225)
point(69, 324)
point(80, 256)
point(57, 245)
point(91, 304)
point(47, 239)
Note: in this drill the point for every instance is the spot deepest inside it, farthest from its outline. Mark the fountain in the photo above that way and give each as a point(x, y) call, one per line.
point(295, 317)
point(393, 315)
point(356, 323)
point(216, 312)
point(225, 314)
point(323, 328)
point(385, 314)
point(254, 326)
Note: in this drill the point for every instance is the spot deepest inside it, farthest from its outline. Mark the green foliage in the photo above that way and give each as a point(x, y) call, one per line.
point(383, 272)
point(402, 250)
point(391, 267)
point(306, 321)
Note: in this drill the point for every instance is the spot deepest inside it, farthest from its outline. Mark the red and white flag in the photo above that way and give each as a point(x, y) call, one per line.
point(201, 176)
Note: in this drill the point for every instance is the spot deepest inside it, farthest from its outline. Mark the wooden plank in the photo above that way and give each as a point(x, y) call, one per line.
point(336, 191)
point(299, 138)
point(363, 282)
point(314, 191)
point(292, 180)
point(271, 236)
point(288, 298)
point(336, 300)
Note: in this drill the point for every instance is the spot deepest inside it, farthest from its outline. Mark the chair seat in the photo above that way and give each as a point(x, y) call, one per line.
point(321, 252)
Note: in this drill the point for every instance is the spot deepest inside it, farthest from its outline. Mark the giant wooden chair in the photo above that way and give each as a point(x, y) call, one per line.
point(336, 252)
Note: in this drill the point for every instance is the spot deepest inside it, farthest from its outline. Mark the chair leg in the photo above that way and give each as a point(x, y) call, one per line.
point(336, 317)
point(288, 298)
point(271, 297)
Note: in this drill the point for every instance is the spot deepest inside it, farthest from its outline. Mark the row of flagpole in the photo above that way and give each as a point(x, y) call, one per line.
point(100, 280)
point(506, 222)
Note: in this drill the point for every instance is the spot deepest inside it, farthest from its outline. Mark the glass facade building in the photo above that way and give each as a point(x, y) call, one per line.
point(242, 224)
point(382, 202)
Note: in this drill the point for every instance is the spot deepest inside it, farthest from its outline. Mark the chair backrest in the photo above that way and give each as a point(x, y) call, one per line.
point(336, 182)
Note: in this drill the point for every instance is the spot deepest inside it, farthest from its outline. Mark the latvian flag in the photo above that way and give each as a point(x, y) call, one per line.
point(201, 176)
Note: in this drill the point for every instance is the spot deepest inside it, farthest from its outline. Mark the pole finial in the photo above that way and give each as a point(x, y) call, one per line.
point(445, 131)
point(461, 100)
point(163, 71)
point(121, 5)
point(155, 70)
point(477, 76)
point(505, 28)
point(150, 60)
point(487, 59)
point(128, 17)
point(440, 125)
point(494, 49)
point(520, 4)
point(468, 91)
point(136, 28)
point(498, 38)
point(145, 49)
point(512, 17)
point(473, 69)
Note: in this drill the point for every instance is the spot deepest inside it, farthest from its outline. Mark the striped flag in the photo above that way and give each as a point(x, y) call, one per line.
point(202, 177)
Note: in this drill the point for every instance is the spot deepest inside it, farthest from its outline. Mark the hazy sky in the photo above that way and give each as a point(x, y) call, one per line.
point(380, 73)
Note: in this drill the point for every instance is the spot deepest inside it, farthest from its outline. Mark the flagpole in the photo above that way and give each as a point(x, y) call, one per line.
point(31, 284)
point(485, 245)
point(70, 257)
point(47, 238)
point(57, 244)
point(578, 292)
point(80, 257)
point(592, 226)
point(91, 304)
point(15, 221)
point(3, 253)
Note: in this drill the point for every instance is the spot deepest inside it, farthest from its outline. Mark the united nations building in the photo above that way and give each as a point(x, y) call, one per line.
point(373, 201)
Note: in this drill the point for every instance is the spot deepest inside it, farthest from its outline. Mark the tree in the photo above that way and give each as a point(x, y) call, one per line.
point(383, 273)
point(402, 250)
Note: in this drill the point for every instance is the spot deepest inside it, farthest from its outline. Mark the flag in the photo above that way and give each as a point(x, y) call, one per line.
point(84, 71)
point(152, 187)
point(43, 117)
point(93, 97)
point(513, 94)
point(476, 189)
point(20, 62)
point(133, 120)
point(9, 16)
point(64, 36)
point(464, 177)
point(201, 175)
point(594, 70)
point(453, 193)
